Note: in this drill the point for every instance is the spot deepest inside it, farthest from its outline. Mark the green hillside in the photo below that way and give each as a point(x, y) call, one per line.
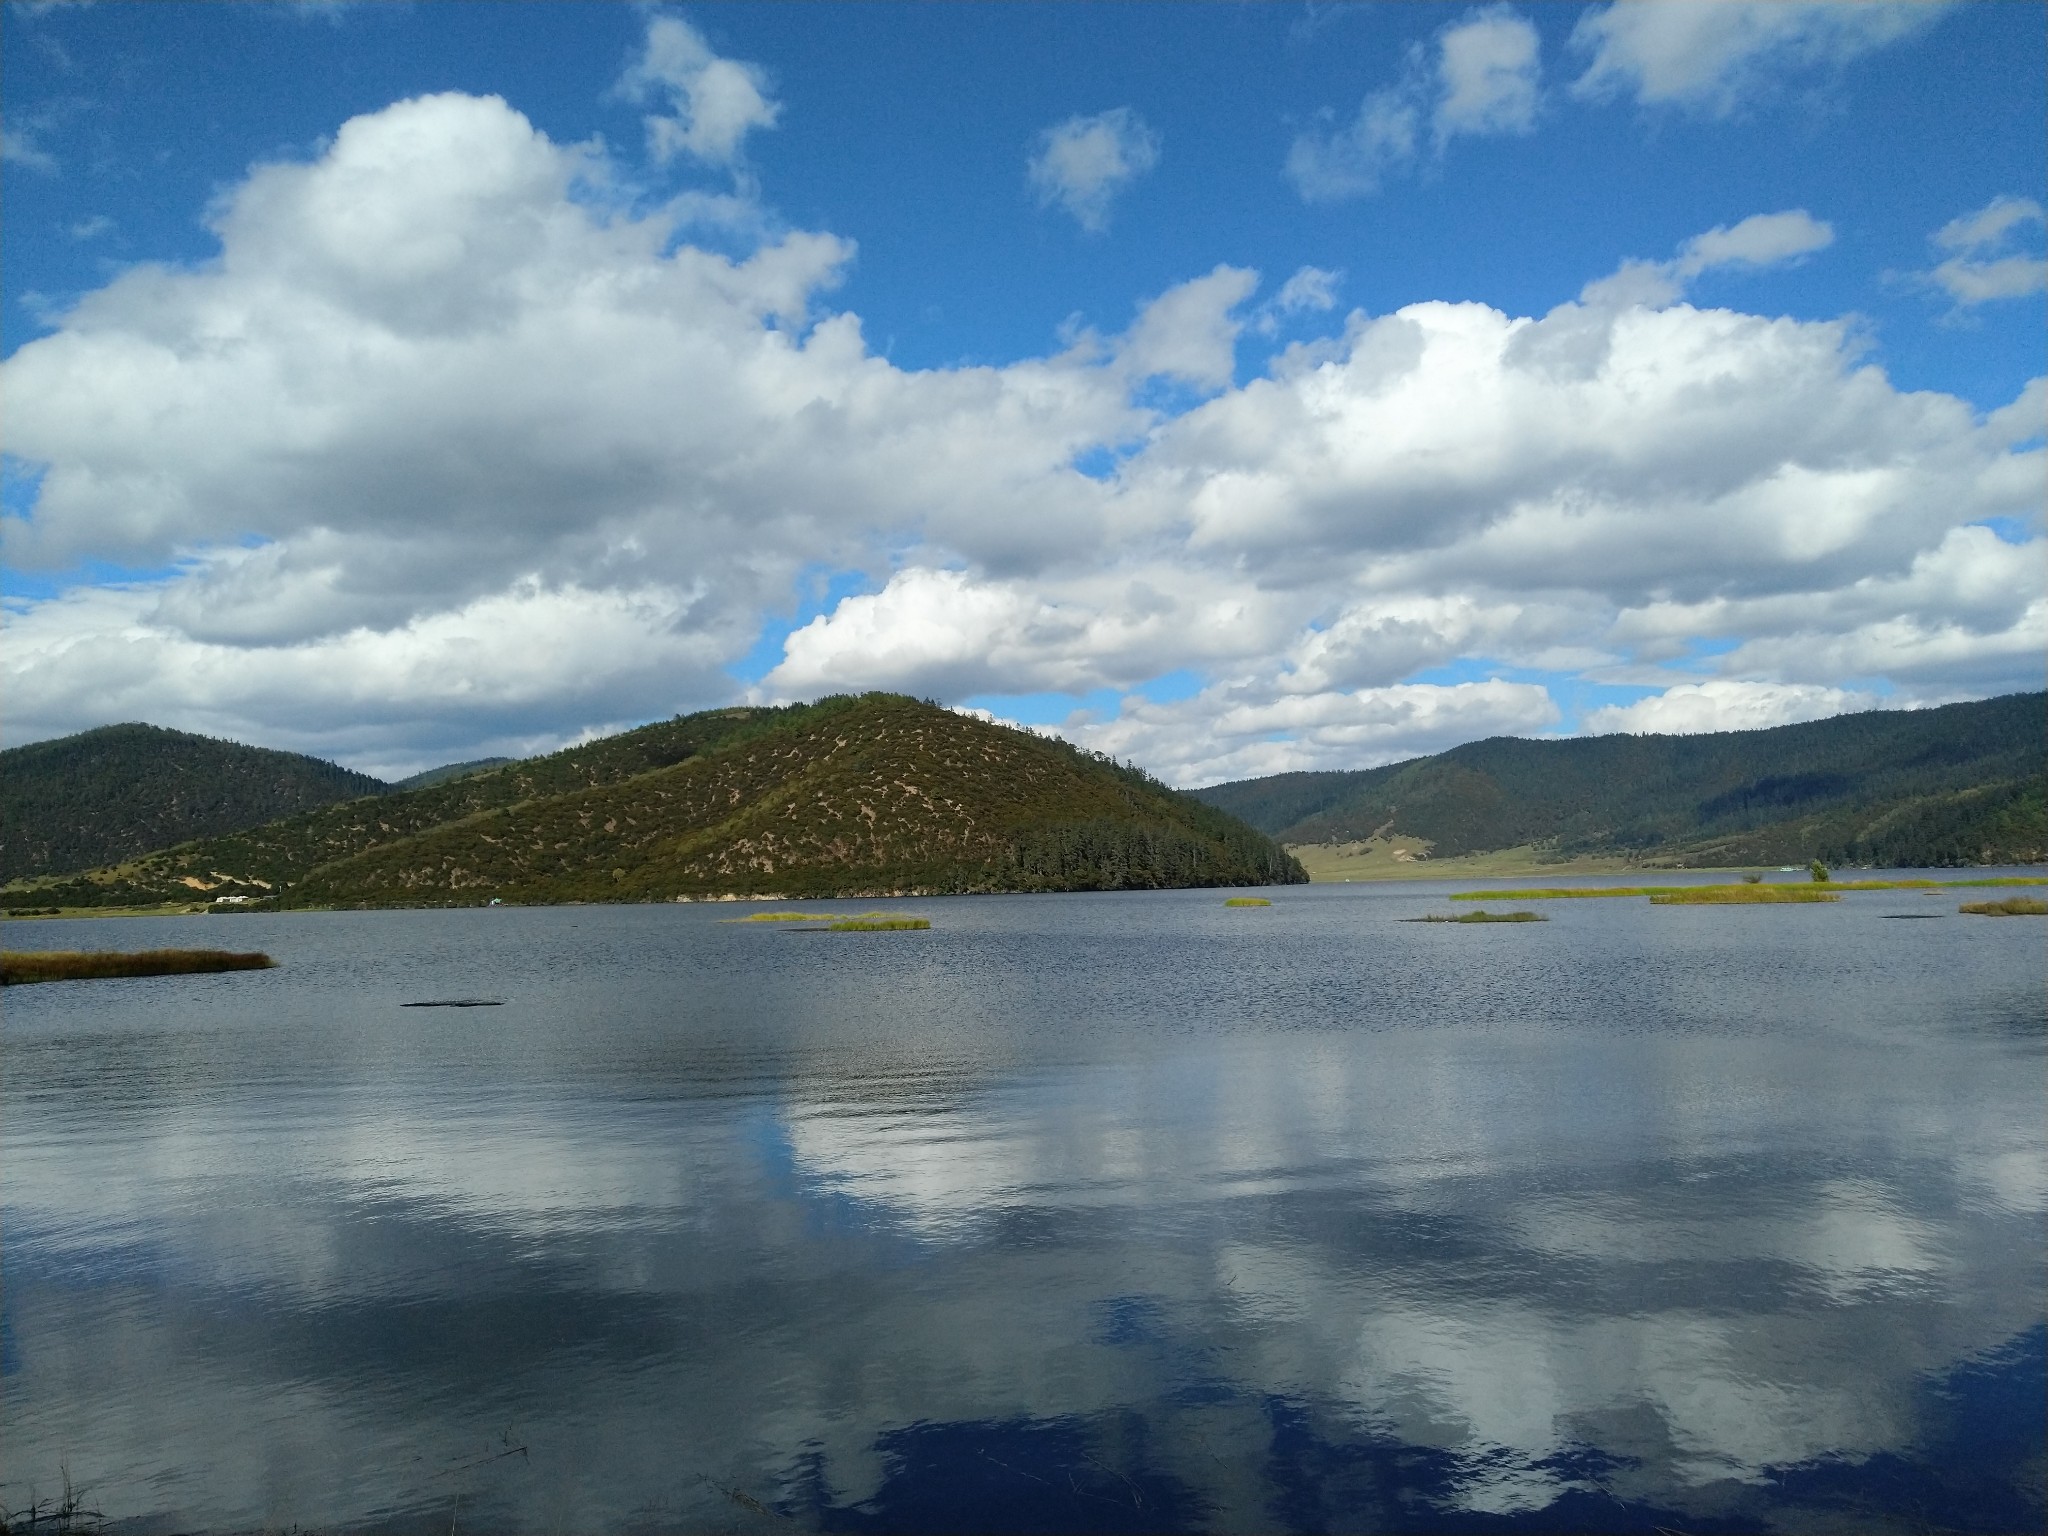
point(271, 857)
point(1958, 785)
point(113, 793)
point(441, 775)
point(847, 796)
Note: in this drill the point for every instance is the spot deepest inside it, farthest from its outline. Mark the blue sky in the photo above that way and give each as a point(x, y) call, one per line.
point(1077, 465)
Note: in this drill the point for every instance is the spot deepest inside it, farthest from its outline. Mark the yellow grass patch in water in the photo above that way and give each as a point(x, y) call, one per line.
point(1742, 896)
point(837, 922)
point(1689, 894)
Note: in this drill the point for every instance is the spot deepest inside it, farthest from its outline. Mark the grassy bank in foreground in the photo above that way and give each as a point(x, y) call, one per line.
point(19, 968)
point(1700, 895)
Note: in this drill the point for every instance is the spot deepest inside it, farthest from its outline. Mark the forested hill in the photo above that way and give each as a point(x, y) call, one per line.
point(112, 793)
point(856, 796)
point(1963, 784)
point(447, 771)
point(275, 854)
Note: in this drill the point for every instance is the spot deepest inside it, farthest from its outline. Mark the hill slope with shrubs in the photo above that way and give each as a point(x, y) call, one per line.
point(852, 796)
point(110, 794)
point(1959, 785)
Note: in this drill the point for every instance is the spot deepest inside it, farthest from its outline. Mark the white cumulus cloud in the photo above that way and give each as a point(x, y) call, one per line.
point(1489, 68)
point(1982, 265)
point(1312, 290)
point(1228, 733)
point(1714, 56)
point(1761, 240)
point(713, 103)
point(1989, 226)
point(1481, 76)
point(1725, 705)
point(1083, 163)
point(448, 452)
point(1328, 165)
point(1190, 332)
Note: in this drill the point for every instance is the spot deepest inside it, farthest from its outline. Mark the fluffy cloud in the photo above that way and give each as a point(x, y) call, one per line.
point(1450, 482)
point(433, 366)
point(489, 675)
point(1725, 705)
point(1083, 163)
point(452, 448)
point(951, 633)
point(1967, 616)
point(1189, 333)
point(1327, 166)
point(1488, 68)
point(1982, 265)
point(1989, 226)
point(1484, 79)
point(713, 102)
point(1243, 731)
point(1712, 58)
point(1761, 240)
point(1312, 290)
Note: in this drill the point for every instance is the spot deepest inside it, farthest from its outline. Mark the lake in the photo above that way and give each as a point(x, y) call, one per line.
point(1099, 1212)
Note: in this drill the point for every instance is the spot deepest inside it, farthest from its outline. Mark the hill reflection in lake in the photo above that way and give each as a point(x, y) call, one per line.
point(1099, 1212)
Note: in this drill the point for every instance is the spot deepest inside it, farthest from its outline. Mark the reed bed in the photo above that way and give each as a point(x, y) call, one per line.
point(1743, 896)
point(21, 968)
point(1481, 916)
point(1565, 892)
point(1687, 895)
point(1246, 901)
point(833, 922)
point(2012, 906)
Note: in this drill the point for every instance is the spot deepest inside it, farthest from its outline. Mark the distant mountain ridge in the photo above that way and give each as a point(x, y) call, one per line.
point(870, 795)
point(1961, 784)
point(109, 794)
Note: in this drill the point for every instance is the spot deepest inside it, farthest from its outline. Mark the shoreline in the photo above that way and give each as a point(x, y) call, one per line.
point(1504, 865)
point(1375, 860)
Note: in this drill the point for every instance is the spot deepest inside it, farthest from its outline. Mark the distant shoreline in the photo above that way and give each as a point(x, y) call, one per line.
point(1338, 867)
point(1379, 860)
point(1408, 858)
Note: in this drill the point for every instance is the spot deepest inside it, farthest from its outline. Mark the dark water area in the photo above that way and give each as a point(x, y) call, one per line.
point(1090, 1213)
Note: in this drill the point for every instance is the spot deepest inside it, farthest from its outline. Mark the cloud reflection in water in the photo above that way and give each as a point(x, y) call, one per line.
point(949, 1250)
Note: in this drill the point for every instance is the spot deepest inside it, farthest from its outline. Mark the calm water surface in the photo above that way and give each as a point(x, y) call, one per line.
point(1118, 1212)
